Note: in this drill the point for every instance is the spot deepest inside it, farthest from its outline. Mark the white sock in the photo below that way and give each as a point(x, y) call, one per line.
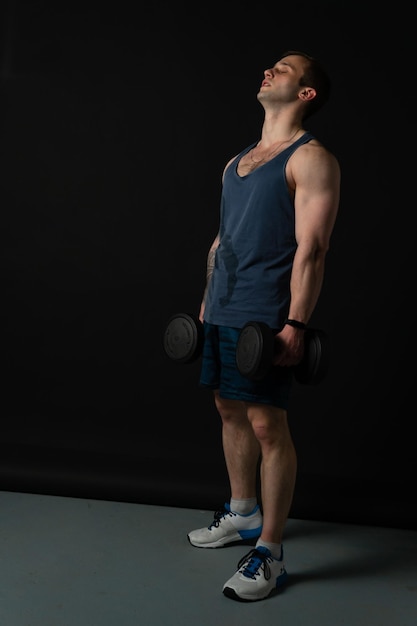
point(244, 506)
point(274, 548)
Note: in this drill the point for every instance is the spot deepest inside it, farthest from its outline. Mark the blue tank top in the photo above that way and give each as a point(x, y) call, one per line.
point(252, 270)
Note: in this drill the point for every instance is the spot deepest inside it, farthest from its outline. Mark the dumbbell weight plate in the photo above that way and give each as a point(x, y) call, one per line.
point(314, 365)
point(183, 338)
point(255, 350)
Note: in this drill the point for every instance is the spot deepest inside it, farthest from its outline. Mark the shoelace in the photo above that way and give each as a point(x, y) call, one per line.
point(218, 516)
point(255, 561)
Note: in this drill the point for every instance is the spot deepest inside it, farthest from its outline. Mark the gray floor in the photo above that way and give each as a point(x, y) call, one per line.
point(82, 562)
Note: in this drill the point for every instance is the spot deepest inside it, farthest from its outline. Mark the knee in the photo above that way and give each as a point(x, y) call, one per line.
point(268, 427)
point(263, 432)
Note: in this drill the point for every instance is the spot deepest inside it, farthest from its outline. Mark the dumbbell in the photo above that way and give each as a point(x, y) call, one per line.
point(184, 337)
point(256, 346)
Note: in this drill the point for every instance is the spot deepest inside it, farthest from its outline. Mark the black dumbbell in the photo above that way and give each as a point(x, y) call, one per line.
point(184, 337)
point(255, 352)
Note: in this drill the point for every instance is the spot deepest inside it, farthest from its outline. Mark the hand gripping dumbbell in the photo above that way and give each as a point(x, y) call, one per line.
point(256, 346)
point(184, 337)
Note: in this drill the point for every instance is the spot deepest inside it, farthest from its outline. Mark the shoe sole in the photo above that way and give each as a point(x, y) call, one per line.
point(231, 593)
point(227, 542)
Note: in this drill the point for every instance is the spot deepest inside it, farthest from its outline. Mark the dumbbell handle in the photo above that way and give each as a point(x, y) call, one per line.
point(255, 351)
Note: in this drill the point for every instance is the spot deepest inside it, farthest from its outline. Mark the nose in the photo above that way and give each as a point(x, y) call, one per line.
point(268, 73)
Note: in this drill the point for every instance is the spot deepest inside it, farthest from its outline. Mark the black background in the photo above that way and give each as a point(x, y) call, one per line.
point(116, 125)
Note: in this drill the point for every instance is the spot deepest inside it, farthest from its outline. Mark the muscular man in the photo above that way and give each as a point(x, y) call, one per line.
point(279, 202)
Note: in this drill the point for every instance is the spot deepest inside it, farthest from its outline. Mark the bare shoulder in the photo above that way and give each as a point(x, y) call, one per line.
point(314, 155)
point(312, 160)
point(229, 162)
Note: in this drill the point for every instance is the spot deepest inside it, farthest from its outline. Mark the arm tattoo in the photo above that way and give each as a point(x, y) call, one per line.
point(210, 263)
point(210, 267)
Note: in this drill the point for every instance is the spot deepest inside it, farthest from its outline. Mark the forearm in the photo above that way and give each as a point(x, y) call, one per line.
point(210, 264)
point(209, 272)
point(306, 284)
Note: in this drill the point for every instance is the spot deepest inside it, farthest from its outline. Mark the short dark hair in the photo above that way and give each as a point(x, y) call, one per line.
point(314, 76)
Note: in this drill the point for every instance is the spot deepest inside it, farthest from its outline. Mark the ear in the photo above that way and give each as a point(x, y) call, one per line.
point(307, 93)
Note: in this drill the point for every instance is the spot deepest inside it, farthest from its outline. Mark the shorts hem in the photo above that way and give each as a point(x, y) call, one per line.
point(242, 397)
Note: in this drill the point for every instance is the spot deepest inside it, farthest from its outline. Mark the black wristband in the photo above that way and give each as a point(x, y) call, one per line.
point(296, 324)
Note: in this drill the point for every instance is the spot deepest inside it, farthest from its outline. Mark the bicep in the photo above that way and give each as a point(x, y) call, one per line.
point(316, 200)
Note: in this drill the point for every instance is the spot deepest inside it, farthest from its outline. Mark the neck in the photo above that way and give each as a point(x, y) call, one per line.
point(280, 125)
point(275, 137)
point(264, 151)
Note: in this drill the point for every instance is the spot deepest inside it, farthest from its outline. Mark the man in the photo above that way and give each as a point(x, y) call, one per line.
point(279, 203)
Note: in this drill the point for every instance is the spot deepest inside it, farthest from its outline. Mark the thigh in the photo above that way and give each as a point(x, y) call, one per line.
point(219, 371)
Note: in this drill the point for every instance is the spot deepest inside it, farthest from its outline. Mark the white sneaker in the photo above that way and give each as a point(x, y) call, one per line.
point(258, 574)
point(228, 527)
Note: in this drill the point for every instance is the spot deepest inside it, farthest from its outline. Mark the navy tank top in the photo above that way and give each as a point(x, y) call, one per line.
point(251, 276)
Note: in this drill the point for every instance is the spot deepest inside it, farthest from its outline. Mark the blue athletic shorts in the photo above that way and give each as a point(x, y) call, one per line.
point(219, 371)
